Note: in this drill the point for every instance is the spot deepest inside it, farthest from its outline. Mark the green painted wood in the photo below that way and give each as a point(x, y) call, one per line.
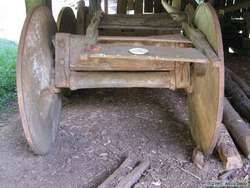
point(33, 3)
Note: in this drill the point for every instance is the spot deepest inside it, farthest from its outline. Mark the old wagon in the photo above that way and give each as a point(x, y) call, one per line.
point(162, 44)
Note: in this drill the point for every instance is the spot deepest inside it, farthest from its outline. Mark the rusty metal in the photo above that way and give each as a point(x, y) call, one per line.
point(38, 103)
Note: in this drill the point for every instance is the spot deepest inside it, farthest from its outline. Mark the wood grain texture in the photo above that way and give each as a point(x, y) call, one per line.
point(174, 40)
point(118, 58)
point(206, 99)
point(81, 80)
point(137, 25)
point(62, 53)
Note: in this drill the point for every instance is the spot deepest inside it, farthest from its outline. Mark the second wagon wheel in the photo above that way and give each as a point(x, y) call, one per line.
point(206, 100)
point(39, 105)
point(66, 21)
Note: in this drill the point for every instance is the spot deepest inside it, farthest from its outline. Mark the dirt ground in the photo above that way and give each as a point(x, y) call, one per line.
point(99, 127)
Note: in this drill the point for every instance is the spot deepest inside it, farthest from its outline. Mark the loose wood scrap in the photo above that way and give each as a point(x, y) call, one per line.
point(134, 176)
point(237, 128)
point(127, 174)
point(227, 150)
point(122, 171)
point(237, 96)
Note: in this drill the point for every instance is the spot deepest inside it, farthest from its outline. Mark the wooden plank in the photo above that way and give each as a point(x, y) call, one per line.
point(237, 128)
point(174, 40)
point(118, 58)
point(82, 80)
point(227, 150)
point(150, 20)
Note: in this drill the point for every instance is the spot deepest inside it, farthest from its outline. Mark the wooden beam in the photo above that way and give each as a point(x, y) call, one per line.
point(163, 40)
point(237, 128)
point(200, 42)
point(134, 175)
point(83, 80)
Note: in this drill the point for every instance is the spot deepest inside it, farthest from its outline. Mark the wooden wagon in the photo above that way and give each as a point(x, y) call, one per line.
point(162, 44)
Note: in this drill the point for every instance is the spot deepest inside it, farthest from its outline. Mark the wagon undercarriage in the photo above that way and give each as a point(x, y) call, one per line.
point(99, 50)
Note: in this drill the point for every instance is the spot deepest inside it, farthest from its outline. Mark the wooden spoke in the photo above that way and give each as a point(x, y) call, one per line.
point(39, 104)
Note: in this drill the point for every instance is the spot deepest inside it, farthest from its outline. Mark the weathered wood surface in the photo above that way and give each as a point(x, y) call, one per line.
point(118, 58)
point(92, 30)
point(227, 150)
point(175, 40)
point(128, 164)
point(138, 25)
point(150, 20)
point(39, 105)
point(81, 80)
point(237, 128)
point(237, 97)
point(122, 6)
point(206, 98)
point(135, 175)
point(62, 60)
point(66, 21)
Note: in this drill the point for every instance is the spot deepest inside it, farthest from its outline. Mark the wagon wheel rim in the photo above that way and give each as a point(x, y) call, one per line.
point(39, 106)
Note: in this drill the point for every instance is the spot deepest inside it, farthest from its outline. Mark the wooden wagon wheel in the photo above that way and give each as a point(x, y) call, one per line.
point(206, 100)
point(39, 105)
point(66, 21)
